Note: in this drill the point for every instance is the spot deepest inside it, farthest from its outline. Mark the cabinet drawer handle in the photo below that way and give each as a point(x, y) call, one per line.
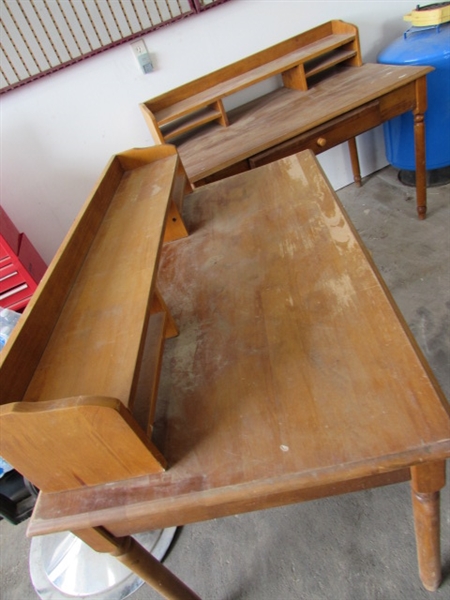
point(321, 142)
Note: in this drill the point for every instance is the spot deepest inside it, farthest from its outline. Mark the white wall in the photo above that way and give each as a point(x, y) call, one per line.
point(58, 133)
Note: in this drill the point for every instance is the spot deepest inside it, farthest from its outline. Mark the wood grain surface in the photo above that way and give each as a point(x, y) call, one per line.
point(294, 376)
point(286, 113)
point(92, 337)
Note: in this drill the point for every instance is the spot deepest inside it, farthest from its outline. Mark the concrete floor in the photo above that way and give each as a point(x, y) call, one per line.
point(353, 547)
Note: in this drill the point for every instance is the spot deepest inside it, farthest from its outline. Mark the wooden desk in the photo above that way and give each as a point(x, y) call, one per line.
point(286, 121)
point(328, 97)
point(293, 377)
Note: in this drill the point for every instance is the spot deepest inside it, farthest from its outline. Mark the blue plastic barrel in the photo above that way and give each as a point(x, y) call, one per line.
point(422, 46)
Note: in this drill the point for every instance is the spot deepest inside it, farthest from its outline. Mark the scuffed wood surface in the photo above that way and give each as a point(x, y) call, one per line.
point(285, 113)
point(293, 376)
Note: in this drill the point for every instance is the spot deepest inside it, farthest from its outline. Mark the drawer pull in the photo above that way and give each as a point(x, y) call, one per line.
point(321, 142)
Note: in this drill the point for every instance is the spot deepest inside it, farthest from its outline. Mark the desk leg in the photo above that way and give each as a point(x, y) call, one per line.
point(419, 144)
point(355, 161)
point(426, 481)
point(140, 561)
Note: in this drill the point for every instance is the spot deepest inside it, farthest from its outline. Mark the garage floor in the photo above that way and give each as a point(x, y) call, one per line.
point(354, 547)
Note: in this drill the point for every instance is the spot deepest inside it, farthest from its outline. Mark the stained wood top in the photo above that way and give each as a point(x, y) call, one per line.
point(293, 369)
point(285, 113)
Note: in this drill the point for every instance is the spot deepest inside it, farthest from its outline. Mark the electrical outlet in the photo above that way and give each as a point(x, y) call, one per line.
point(143, 57)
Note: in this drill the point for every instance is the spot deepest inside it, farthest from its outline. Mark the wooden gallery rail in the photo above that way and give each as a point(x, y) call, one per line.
point(293, 376)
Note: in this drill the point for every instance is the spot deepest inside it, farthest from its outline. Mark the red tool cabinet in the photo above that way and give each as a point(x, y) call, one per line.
point(21, 267)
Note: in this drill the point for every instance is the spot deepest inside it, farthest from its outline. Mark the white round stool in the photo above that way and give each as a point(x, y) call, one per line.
point(62, 566)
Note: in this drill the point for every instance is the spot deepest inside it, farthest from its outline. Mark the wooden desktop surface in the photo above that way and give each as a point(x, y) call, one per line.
point(285, 113)
point(293, 376)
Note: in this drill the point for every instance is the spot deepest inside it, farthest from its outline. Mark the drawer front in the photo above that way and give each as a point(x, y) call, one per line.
point(398, 102)
point(325, 136)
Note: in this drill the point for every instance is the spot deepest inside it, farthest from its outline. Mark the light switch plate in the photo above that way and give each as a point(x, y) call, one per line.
point(143, 57)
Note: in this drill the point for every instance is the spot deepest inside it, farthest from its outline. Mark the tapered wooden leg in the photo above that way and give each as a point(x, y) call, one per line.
point(139, 560)
point(421, 174)
point(355, 161)
point(419, 143)
point(426, 481)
